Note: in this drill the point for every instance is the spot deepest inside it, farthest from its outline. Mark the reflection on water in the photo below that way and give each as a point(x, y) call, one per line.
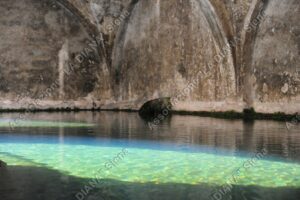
point(185, 157)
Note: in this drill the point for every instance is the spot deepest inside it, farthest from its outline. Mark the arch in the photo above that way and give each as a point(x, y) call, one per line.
point(68, 5)
point(274, 58)
point(214, 22)
point(248, 37)
point(201, 20)
point(220, 32)
point(119, 40)
point(90, 27)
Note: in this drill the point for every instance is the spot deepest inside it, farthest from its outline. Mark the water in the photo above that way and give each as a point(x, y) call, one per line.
point(115, 155)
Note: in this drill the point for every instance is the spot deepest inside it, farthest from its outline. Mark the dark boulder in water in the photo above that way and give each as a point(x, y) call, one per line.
point(151, 109)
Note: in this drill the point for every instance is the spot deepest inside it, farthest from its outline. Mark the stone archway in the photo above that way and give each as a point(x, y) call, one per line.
point(255, 16)
point(155, 47)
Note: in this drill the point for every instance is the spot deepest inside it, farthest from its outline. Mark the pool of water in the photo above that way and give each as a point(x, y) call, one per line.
point(116, 155)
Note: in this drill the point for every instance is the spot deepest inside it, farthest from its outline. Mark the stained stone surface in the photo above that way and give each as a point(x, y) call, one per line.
point(210, 55)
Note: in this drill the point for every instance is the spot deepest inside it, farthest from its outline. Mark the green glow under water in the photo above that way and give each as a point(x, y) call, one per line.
point(145, 165)
point(48, 124)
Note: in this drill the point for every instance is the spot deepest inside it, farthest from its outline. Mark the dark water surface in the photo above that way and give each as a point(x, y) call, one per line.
point(116, 155)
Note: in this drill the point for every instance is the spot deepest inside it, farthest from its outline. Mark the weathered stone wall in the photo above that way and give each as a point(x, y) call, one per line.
point(39, 41)
point(209, 55)
point(275, 62)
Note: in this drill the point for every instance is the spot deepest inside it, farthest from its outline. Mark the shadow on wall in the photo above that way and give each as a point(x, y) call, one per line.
point(33, 183)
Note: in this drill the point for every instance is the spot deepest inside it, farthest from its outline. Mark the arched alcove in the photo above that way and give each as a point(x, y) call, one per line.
point(164, 46)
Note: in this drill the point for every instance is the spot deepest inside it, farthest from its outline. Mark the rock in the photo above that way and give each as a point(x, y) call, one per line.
point(153, 108)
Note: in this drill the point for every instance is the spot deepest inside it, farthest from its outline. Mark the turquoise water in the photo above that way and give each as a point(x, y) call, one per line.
point(150, 165)
point(152, 158)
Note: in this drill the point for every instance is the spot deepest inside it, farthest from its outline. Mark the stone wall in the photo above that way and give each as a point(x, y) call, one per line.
point(39, 41)
point(208, 55)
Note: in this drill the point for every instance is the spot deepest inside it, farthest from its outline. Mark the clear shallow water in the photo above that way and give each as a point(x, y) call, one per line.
point(190, 154)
